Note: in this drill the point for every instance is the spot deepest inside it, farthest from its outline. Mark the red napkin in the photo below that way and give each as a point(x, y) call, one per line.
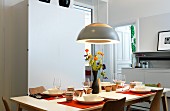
point(76, 104)
point(132, 93)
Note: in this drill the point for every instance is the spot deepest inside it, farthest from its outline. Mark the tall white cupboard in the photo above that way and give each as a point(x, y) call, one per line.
point(45, 36)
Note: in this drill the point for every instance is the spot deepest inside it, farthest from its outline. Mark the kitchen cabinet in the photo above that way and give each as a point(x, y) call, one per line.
point(158, 76)
point(133, 74)
point(148, 76)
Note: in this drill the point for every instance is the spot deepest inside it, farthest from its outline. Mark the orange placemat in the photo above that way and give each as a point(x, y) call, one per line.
point(76, 104)
point(137, 94)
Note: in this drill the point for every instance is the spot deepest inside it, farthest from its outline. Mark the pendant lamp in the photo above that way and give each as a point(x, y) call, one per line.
point(98, 33)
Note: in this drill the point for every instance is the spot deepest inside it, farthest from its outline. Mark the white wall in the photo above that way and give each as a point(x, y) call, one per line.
point(124, 12)
point(127, 11)
point(148, 31)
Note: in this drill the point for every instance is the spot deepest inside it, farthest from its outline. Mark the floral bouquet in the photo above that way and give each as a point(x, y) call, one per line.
point(96, 61)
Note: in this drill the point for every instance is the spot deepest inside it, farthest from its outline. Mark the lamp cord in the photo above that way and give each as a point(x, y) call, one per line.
point(97, 10)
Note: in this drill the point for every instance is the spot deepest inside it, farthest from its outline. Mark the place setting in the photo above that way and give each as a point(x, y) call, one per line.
point(82, 101)
point(87, 97)
point(134, 88)
point(82, 98)
point(120, 81)
point(55, 92)
point(85, 101)
point(137, 88)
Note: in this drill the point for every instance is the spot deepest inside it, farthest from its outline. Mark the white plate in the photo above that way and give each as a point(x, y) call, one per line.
point(105, 84)
point(140, 91)
point(53, 94)
point(96, 101)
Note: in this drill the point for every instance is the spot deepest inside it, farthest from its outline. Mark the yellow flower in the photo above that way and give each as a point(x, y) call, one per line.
point(90, 56)
point(95, 61)
point(99, 52)
point(102, 54)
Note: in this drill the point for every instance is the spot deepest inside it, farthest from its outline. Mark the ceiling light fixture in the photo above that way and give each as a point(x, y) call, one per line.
point(98, 33)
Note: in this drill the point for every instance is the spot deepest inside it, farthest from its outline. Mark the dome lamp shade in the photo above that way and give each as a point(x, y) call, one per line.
point(98, 33)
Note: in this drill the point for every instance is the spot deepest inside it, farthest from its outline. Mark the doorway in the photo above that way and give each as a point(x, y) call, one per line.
point(123, 50)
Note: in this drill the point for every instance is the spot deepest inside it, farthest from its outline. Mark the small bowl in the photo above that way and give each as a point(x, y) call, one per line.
point(89, 90)
point(118, 83)
point(90, 97)
point(114, 87)
point(108, 88)
point(78, 92)
point(69, 96)
point(70, 88)
point(132, 84)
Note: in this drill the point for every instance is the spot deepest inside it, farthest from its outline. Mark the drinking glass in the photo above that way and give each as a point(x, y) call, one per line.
point(117, 79)
point(86, 85)
point(57, 83)
point(123, 80)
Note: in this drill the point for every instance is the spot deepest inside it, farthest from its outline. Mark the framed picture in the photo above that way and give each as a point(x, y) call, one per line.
point(163, 41)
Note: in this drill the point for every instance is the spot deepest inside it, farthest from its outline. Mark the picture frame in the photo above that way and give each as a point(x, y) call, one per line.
point(163, 41)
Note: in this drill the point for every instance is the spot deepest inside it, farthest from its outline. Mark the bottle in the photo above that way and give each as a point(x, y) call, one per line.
point(147, 65)
point(143, 64)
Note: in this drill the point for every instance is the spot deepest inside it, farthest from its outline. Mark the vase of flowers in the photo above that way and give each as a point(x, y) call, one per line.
point(96, 64)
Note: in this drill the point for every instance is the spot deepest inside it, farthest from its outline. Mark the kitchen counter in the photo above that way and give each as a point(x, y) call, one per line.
point(148, 76)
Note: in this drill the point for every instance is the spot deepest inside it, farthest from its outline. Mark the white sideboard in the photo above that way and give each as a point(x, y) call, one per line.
point(148, 76)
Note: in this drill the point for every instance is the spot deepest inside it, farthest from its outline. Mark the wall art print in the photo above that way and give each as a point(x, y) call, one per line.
point(163, 41)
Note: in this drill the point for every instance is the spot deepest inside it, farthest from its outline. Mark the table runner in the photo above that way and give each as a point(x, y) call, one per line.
point(76, 104)
point(132, 93)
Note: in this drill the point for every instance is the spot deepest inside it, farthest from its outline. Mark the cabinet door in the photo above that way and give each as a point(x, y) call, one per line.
point(154, 77)
point(133, 74)
point(53, 51)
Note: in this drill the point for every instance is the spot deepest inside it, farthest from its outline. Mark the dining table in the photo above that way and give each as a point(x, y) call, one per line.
point(60, 104)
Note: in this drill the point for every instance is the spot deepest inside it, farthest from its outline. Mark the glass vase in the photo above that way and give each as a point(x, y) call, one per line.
point(95, 84)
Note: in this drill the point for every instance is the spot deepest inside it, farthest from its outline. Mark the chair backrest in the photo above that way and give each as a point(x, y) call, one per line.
point(37, 90)
point(5, 104)
point(155, 104)
point(114, 105)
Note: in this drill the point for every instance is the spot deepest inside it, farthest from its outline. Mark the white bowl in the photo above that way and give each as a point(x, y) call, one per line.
point(140, 87)
point(53, 91)
point(137, 83)
point(90, 97)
